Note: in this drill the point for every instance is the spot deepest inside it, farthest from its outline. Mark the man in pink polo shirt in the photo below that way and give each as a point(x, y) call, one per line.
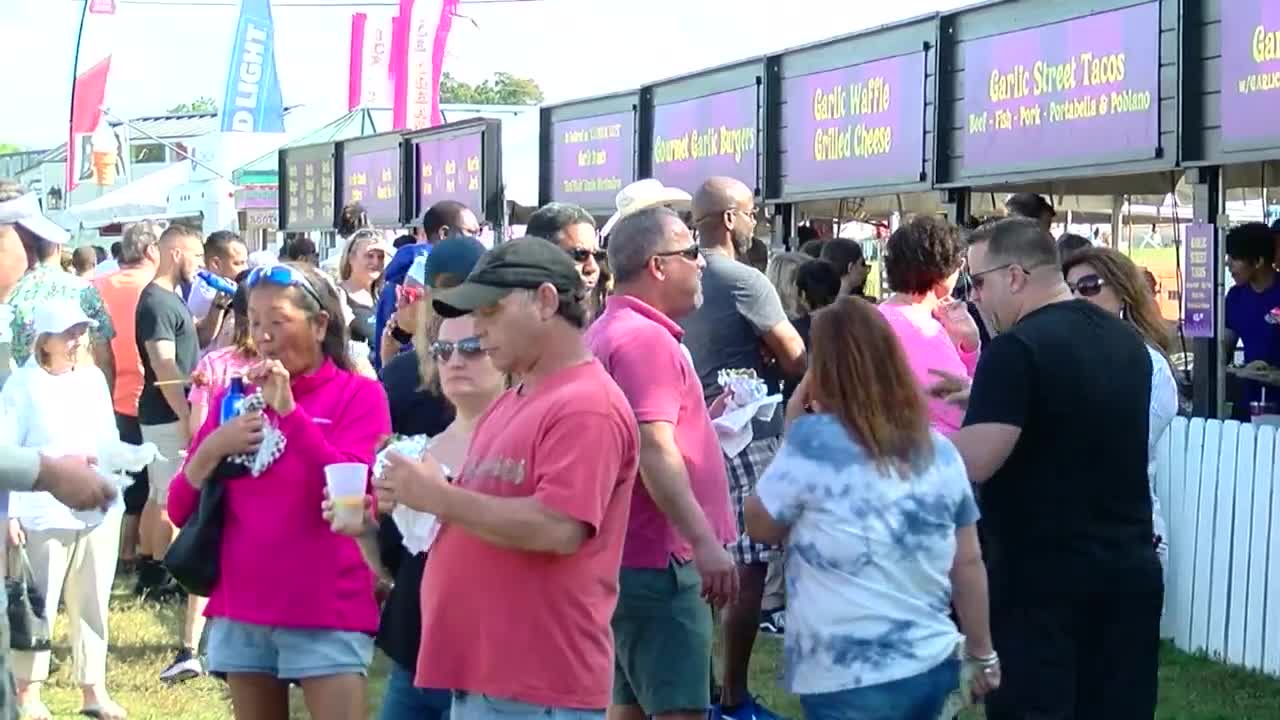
point(522, 580)
point(674, 562)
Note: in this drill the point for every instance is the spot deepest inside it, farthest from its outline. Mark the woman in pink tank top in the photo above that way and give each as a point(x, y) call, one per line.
point(922, 262)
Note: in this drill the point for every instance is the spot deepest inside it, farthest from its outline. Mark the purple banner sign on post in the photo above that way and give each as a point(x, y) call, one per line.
point(1073, 93)
point(450, 168)
point(854, 126)
point(592, 159)
point(707, 136)
point(1198, 296)
point(1250, 74)
point(373, 179)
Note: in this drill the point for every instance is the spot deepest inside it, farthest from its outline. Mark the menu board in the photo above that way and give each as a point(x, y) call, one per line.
point(704, 137)
point(854, 126)
point(308, 188)
point(372, 178)
point(1072, 93)
point(592, 159)
point(450, 168)
point(1250, 68)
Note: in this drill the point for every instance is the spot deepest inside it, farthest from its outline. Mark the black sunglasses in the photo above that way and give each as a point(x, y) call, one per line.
point(580, 255)
point(442, 350)
point(690, 253)
point(1087, 286)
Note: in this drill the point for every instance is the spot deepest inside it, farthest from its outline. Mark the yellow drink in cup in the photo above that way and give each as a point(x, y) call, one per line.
point(347, 483)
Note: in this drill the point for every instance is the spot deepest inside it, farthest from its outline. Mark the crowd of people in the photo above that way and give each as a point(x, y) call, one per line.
point(957, 485)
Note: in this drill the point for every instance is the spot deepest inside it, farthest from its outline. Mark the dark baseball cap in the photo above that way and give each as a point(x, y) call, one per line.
point(524, 264)
point(456, 255)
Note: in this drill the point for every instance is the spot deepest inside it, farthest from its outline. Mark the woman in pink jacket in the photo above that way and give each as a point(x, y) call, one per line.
point(294, 601)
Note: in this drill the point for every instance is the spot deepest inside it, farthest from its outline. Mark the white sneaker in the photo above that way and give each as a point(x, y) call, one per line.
point(185, 666)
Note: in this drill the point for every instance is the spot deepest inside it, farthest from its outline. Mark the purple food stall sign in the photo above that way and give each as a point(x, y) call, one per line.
point(1198, 296)
point(1078, 92)
point(373, 179)
point(707, 136)
point(451, 168)
point(854, 126)
point(592, 159)
point(1250, 74)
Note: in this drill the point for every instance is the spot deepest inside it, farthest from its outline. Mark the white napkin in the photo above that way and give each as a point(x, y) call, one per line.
point(733, 428)
point(417, 529)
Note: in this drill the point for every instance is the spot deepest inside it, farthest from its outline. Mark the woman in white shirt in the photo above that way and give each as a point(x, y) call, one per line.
point(60, 404)
point(1110, 280)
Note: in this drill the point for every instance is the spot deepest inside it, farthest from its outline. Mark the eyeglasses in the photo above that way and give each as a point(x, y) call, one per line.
point(283, 276)
point(1087, 286)
point(469, 348)
point(580, 255)
point(690, 253)
point(977, 279)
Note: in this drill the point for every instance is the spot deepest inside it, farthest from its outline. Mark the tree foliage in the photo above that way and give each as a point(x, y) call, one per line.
point(8, 148)
point(502, 89)
point(201, 104)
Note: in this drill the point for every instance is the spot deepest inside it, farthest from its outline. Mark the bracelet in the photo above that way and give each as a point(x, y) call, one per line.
point(985, 661)
point(399, 335)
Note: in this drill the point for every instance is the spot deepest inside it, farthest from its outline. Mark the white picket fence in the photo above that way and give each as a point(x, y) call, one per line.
point(1219, 485)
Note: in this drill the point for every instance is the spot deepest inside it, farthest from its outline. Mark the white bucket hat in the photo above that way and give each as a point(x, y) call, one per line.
point(59, 315)
point(25, 210)
point(643, 194)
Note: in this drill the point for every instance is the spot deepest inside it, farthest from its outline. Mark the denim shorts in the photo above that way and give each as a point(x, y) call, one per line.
point(286, 653)
point(473, 706)
point(919, 697)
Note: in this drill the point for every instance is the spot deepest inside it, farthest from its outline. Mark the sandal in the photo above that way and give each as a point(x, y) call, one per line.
point(108, 710)
point(34, 710)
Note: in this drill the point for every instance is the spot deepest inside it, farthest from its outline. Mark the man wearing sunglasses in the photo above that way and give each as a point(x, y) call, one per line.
point(574, 230)
point(740, 317)
point(533, 526)
point(1056, 433)
point(674, 561)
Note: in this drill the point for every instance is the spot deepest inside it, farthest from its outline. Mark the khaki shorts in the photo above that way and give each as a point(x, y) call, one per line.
point(171, 443)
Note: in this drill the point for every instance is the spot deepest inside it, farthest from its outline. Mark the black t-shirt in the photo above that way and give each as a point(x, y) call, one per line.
point(162, 315)
point(1070, 510)
point(413, 412)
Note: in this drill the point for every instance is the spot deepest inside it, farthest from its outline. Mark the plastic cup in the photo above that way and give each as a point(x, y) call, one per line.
point(347, 483)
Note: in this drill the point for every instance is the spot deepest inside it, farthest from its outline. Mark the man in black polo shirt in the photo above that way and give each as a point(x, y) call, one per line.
point(1056, 433)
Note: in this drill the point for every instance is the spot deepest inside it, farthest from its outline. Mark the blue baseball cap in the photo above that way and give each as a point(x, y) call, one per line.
point(456, 255)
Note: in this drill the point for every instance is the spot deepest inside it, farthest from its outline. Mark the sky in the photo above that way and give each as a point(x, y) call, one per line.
point(165, 52)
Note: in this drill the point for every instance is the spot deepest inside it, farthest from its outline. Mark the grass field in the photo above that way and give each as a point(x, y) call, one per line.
point(1191, 688)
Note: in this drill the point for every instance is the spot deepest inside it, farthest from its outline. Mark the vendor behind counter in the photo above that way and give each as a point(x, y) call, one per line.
point(1249, 317)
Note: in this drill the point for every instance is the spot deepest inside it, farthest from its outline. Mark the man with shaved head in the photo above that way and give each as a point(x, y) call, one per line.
point(740, 322)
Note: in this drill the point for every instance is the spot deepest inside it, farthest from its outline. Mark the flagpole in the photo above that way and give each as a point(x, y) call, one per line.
point(73, 172)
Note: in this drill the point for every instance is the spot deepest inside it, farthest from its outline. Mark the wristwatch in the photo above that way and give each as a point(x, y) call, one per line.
point(399, 335)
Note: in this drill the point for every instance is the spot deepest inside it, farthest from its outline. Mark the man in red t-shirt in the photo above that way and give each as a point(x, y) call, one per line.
point(674, 560)
point(522, 580)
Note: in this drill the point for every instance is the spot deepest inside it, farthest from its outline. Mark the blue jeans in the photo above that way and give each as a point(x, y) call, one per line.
point(472, 706)
point(919, 697)
point(403, 701)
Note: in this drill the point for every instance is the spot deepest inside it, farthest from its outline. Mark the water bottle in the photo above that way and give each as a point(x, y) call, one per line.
point(217, 282)
point(233, 401)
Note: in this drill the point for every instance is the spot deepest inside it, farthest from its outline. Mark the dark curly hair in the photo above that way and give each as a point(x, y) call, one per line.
point(922, 253)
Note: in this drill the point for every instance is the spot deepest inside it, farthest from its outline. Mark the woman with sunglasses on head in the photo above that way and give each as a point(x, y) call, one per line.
point(294, 601)
point(574, 230)
point(459, 369)
point(1111, 281)
point(879, 522)
point(922, 264)
point(360, 276)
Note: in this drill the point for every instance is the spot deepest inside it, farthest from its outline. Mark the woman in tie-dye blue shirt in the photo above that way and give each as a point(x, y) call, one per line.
point(879, 520)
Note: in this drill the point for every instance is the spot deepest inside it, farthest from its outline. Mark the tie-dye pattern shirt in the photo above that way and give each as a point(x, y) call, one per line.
point(868, 557)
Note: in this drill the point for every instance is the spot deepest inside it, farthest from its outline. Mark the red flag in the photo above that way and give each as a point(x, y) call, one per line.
point(102, 7)
point(86, 110)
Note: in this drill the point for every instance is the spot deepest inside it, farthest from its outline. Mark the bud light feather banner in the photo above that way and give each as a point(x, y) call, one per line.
point(252, 100)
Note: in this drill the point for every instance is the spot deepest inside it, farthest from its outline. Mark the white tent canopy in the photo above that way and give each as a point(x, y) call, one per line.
point(145, 197)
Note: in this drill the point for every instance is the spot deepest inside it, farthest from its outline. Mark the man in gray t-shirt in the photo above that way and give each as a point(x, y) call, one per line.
point(740, 319)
